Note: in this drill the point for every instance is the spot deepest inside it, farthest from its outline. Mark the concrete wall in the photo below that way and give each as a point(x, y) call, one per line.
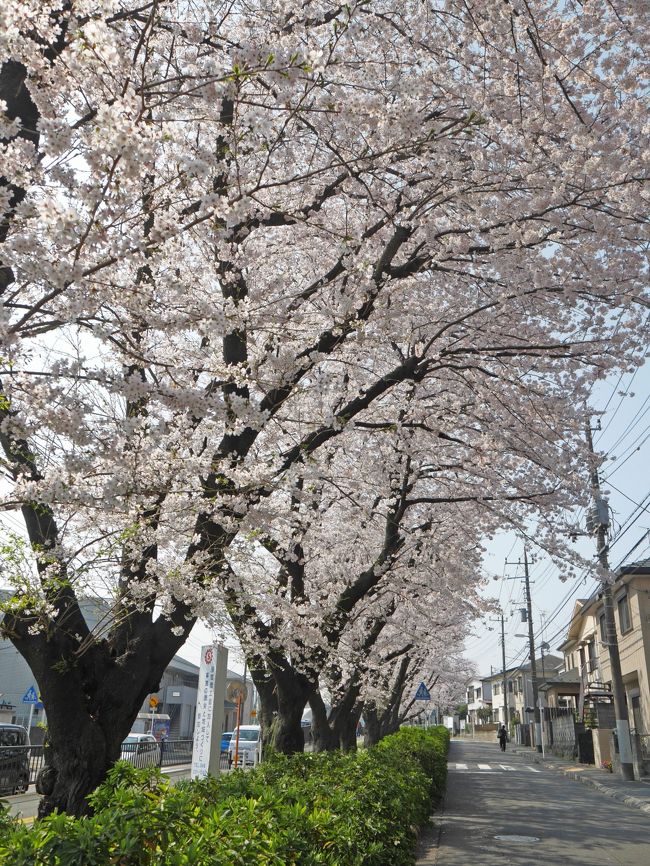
point(602, 745)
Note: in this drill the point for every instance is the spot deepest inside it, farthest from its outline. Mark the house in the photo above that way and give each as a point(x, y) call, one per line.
point(519, 683)
point(586, 649)
point(479, 702)
point(581, 685)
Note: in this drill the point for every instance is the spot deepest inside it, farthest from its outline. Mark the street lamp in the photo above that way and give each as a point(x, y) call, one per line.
point(542, 647)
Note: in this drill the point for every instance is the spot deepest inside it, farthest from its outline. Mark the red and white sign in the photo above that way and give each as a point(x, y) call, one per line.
point(204, 710)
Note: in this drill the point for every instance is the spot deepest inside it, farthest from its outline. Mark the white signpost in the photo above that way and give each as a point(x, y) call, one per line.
point(209, 712)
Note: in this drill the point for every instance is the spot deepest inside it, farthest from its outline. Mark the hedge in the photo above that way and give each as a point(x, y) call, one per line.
point(328, 809)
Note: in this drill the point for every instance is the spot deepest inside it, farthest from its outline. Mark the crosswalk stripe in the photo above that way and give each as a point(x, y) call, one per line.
point(493, 768)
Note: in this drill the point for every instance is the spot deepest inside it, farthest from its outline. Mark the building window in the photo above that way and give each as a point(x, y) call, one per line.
point(624, 621)
point(603, 628)
point(510, 686)
point(496, 689)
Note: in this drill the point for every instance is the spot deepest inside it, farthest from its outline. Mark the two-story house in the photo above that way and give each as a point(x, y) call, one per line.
point(479, 702)
point(586, 647)
point(519, 685)
point(581, 686)
point(631, 595)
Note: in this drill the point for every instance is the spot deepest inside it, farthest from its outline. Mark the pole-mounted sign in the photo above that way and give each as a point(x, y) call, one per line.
point(30, 696)
point(423, 693)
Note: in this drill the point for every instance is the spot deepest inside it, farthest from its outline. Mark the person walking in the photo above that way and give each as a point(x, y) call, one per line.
point(502, 736)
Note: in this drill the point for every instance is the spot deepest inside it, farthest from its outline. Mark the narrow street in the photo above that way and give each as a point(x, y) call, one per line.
point(559, 822)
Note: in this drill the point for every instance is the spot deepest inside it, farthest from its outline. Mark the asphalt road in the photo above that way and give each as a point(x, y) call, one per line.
point(559, 821)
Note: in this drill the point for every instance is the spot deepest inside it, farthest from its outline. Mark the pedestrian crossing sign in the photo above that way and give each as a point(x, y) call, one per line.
point(423, 693)
point(30, 696)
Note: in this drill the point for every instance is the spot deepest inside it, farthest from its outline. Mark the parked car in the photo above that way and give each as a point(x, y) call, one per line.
point(14, 759)
point(249, 742)
point(141, 750)
point(226, 737)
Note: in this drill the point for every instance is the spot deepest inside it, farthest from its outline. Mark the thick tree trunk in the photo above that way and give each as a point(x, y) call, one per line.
point(347, 730)
point(74, 766)
point(293, 689)
point(268, 699)
point(372, 732)
point(344, 716)
point(323, 737)
point(337, 729)
point(92, 698)
point(82, 746)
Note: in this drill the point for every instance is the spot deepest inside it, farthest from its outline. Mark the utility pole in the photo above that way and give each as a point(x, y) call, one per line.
point(533, 664)
point(618, 689)
point(505, 679)
point(531, 651)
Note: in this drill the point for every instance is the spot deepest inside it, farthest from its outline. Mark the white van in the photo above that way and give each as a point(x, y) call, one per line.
point(249, 743)
point(141, 750)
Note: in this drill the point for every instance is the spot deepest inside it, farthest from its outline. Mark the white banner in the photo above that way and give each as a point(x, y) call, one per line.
point(204, 710)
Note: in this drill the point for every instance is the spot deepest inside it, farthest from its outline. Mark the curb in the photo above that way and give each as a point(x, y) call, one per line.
point(579, 776)
point(615, 794)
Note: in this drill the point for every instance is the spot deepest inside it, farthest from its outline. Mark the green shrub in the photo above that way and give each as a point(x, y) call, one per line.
point(329, 809)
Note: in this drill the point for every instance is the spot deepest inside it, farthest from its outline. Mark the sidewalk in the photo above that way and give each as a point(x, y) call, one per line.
point(634, 794)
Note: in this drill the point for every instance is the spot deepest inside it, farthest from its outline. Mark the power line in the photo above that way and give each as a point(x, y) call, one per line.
point(618, 464)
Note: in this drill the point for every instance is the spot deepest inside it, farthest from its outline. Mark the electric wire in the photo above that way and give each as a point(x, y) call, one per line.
point(620, 403)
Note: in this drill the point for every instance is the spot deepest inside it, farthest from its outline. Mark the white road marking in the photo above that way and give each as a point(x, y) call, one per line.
point(489, 768)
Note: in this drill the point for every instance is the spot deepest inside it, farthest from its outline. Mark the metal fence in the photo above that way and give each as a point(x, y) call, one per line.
point(177, 752)
point(174, 752)
point(20, 765)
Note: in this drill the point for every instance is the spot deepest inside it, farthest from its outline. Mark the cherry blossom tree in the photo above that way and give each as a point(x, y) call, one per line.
point(235, 235)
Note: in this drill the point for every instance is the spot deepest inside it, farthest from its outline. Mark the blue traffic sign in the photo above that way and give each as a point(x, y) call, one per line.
point(30, 696)
point(423, 693)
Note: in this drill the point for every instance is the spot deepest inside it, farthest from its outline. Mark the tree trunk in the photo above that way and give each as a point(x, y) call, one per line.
point(268, 699)
point(338, 728)
point(344, 716)
point(323, 737)
point(92, 699)
point(372, 732)
point(81, 745)
point(347, 730)
point(74, 766)
point(293, 689)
